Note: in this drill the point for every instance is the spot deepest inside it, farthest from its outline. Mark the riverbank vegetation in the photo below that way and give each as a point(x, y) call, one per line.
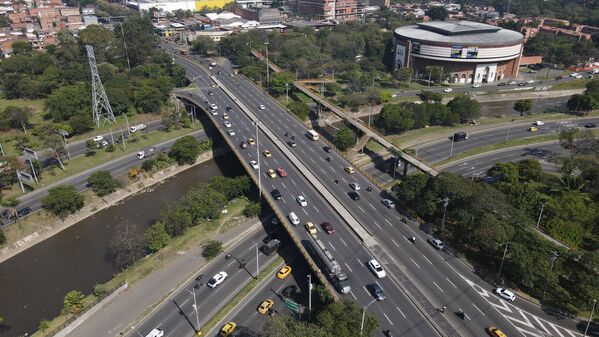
point(484, 220)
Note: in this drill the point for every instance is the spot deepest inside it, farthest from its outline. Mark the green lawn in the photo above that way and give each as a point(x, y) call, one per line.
point(82, 163)
point(570, 85)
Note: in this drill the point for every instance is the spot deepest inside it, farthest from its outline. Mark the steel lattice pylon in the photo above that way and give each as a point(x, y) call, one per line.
point(102, 112)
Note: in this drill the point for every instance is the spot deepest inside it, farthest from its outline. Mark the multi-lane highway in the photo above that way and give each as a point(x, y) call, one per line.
point(442, 280)
point(396, 312)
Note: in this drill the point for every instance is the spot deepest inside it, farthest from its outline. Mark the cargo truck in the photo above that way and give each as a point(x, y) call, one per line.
point(138, 127)
point(330, 266)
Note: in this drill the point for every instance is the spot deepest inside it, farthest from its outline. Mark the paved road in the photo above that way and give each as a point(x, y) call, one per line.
point(477, 166)
point(436, 275)
point(117, 167)
point(396, 312)
point(441, 149)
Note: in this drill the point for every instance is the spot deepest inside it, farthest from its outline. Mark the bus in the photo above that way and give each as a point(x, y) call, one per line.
point(312, 134)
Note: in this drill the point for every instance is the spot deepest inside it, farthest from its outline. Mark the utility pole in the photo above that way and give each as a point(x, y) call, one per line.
point(310, 295)
point(287, 92)
point(257, 263)
point(553, 258)
point(195, 308)
point(2, 150)
point(590, 319)
point(102, 111)
point(364, 315)
point(540, 215)
point(451, 148)
point(503, 258)
point(508, 133)
point(267, 68)
point(445, 204)
point(63, 135)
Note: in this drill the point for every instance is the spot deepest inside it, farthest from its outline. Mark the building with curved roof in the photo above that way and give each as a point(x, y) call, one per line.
point(466, 51)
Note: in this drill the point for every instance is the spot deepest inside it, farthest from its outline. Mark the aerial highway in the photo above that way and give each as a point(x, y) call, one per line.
point(396, 312)
point(437, 276)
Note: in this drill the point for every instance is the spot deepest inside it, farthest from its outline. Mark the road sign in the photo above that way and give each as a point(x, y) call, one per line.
point(289, 304)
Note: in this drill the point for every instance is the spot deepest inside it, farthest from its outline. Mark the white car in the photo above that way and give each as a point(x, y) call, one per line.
point(214, 112)
point(262, 107)
point(511, 83)
point(104, 143)
point(436, 243)
point(578, 76)
point(573, 74)
point(530, 81)
point(231, 132)
point(227, 124)
point(355, 186)
point(217, 279)
point(476, 85)
point(447, 90)
point(301, 200)
point(213, 106)
point(538, 123)
point(505, 294)
point(376, 268)
point(254, 164)
point(98, 138)
point(389, 203)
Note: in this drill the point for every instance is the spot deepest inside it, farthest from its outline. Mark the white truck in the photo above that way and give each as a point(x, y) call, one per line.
point(137, 127)
point(145, 153)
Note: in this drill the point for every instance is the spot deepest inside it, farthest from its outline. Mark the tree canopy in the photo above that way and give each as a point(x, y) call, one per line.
point(63, 200)
point(185, 150)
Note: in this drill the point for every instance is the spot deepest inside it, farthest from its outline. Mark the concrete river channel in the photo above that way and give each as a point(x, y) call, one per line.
point(33, 283)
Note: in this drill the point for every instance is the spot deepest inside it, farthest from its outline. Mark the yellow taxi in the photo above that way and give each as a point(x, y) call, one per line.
point(251, 141)
point(350, 170)
point(284, 272)
point(310, 228)
point(265, 306)
point(271, 173)
point(225, 115)
point(266, 153)
point(533, 129)
point(228, 329)
point(494, 332)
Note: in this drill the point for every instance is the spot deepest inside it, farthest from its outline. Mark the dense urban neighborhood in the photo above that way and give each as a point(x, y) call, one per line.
point(322, 168)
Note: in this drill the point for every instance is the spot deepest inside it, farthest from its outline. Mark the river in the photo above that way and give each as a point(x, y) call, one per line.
point(33, 283)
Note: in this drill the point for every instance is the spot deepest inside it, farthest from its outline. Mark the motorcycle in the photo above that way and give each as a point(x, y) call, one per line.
point(328, 158)
point(412, 239)
point(369, 189)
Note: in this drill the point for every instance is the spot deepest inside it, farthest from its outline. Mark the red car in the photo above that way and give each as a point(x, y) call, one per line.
point(282, 173)
point(328, 228)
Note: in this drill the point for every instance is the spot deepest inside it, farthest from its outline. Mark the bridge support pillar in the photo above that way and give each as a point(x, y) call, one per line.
point(405, 167)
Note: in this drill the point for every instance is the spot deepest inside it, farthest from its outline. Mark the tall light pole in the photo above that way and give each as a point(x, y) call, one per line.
point(257, 263)
point(507, 136)
point(451, 149)
point(310, 295)
point(540, 215)
point(553, 258)
point(364, 314)
point(445, 204)
point(503, 258)
point(590, 319)
point(195, 308)
point(287, 92)
point(267, 68)
point(258, 155)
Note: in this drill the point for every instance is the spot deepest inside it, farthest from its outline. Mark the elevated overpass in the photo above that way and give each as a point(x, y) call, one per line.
point(357, 123)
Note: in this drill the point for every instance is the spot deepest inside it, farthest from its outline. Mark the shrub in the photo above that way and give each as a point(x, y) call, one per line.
point(212, 249)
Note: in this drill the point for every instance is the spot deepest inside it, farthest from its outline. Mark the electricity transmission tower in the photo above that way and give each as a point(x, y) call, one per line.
point(102, 112)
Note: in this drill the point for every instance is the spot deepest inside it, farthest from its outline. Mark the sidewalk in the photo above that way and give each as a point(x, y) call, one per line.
point(141, 298)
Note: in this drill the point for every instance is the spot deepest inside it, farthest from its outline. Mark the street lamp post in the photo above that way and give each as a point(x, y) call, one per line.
point(451, 149)
point(445, 204)
point(553, 258)
point(540, 215)
point(310, 295)
point(503, 258)
point(267, 67)
point(507, 136)
point(257, 263)
point(287, 92)
point(364, 314)
point(590, 319)
point(195, 308)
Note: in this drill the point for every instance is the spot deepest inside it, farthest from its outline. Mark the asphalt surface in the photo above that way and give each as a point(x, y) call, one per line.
point(441, 149)
point(442, 279)
point(117, 167)
point(396, 312)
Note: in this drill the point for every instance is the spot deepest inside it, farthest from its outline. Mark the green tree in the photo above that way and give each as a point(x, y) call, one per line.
point(465, 107)
point(530, 169)
point(429, 96)
point(582, 103)
point(185, 150)
point(394, 118)
point(403, 74)
point(102, 183)
point(279, 82)
point(22, 48)
point(203, 45)
point(523, 106)
point(63, 200)
point(156, 237)
point(68, 101)
point(138, 34)
point(127, 245)
point(437, 13)
point(73, 302)
point(251, 209)
point(212, 249)
point(230, 187)
point(148, 99)
point(341, 318)
point(505, 172)
point(345, 139)
point(176, 220)
point(19, 116)
point(203, 203)
point(300, 109)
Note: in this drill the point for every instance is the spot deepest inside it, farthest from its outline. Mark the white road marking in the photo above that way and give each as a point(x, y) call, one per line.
point(474, 305)
point(283, 185)
point(332, 245)
point(429, 261)
point(401, 312)
point(448, 280)
point(343, 242)
point(366, 290)
point(389, 222)
point(361, 209)
point(229, 265)
point(372, 206)
point(312, 160)
point(387, 318)
point(321, 170)
point(303, 209)
point(415, 263)
point(352, 293)
point(377, 224)
point(316, 209)
point(293, 181)
point(395, 242)
point(436, 285)
point(347, 265)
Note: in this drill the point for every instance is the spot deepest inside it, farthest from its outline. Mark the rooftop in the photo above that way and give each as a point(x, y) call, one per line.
point(459, 32)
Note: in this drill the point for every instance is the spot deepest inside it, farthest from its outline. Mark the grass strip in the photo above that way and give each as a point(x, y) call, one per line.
point(265, 273)
point(569, 85)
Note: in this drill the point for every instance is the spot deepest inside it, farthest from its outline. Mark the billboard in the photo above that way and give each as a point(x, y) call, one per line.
point(460, 52)
point(416, 47)
point(472, 53)
point(400, 56)
point(456, 52)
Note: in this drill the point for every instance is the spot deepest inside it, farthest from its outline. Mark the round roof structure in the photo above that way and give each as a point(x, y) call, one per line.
point(459, 33)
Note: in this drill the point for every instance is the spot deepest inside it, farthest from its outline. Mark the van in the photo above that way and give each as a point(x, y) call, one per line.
point(141, 155)
point(460, 136)
point(293, 218)
point(312, 134)
point(270, 246)
point(138, 127)
point(155, 333)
